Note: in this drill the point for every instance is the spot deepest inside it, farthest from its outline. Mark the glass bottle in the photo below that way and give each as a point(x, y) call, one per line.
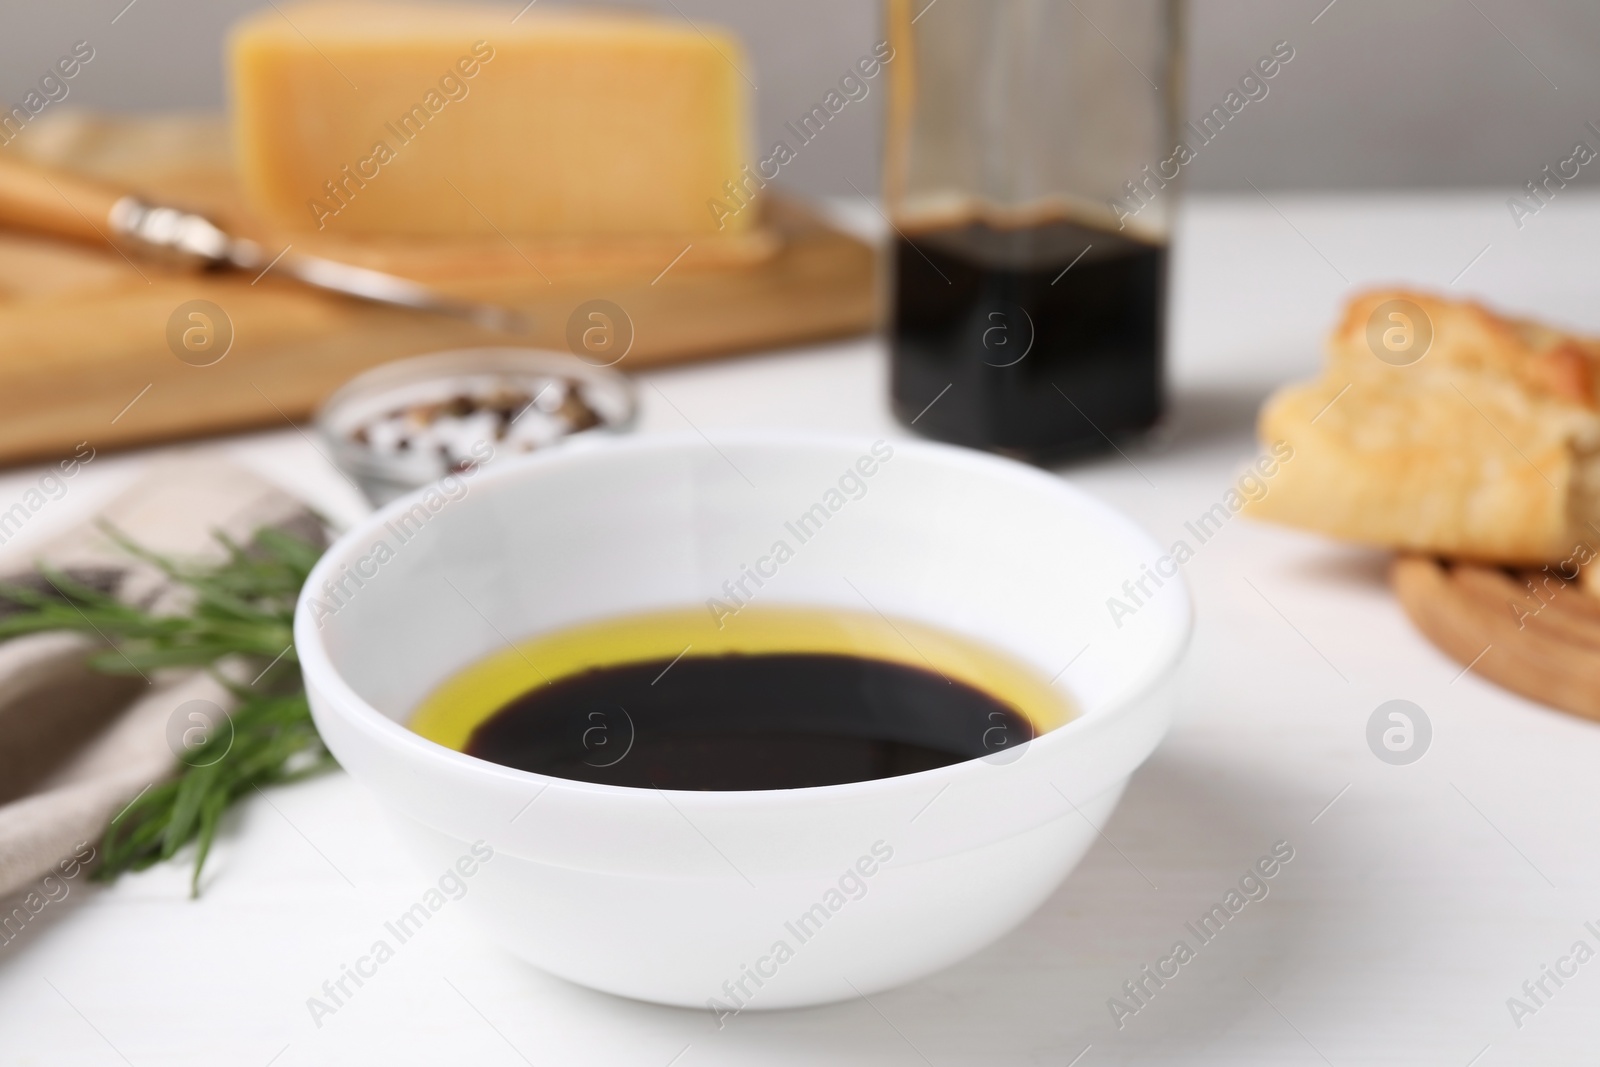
point(1030, 183)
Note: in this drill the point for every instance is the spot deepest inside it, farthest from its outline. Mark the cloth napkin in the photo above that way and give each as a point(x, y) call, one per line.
point(77, 746)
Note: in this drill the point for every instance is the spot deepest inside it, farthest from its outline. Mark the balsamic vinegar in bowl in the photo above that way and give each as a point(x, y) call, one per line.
point(776, 698)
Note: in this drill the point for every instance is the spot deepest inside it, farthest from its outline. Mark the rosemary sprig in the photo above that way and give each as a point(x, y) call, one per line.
point(242, 609)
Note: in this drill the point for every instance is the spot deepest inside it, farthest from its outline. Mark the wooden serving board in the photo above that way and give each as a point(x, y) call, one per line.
point(1542, 642)
point(84, 330)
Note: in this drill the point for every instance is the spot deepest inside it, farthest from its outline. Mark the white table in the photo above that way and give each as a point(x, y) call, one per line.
point(1416, 904)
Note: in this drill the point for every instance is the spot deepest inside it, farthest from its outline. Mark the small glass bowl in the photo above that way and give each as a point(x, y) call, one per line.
point(407, 424)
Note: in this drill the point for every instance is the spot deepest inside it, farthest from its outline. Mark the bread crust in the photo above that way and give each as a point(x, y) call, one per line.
point(1484, 448)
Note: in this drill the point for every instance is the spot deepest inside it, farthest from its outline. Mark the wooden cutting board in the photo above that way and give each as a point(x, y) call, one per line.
point(84, 332)
point(1529, 631)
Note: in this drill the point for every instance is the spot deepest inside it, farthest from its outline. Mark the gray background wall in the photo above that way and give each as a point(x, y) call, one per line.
point(1381, 92)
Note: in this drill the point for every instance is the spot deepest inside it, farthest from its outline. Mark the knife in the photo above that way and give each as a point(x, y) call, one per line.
point(68, 205)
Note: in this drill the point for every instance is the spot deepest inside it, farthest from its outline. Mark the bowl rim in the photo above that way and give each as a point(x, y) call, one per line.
point(321, 675)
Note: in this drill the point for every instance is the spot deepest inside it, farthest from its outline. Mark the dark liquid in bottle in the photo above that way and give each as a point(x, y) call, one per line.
point(736, 721)
point(1042, 340)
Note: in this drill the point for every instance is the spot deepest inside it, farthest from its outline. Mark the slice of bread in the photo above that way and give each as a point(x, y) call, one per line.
point(1441, 427)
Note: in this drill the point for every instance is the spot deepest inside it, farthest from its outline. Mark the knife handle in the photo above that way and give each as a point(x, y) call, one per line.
point(53, 203)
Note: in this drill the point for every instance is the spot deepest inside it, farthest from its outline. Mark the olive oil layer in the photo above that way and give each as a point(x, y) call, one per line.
point(777, 698)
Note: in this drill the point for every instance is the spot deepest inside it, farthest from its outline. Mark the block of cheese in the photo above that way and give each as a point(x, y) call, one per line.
point(434, 120)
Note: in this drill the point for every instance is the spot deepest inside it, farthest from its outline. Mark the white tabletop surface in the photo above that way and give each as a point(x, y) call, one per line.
point(1415, 905)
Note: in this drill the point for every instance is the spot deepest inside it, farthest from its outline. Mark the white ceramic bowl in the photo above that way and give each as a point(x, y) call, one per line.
point(434, 378)
point(759, 899)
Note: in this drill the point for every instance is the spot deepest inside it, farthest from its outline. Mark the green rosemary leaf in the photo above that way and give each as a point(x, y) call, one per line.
point(193, 788)
point(210, 814)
